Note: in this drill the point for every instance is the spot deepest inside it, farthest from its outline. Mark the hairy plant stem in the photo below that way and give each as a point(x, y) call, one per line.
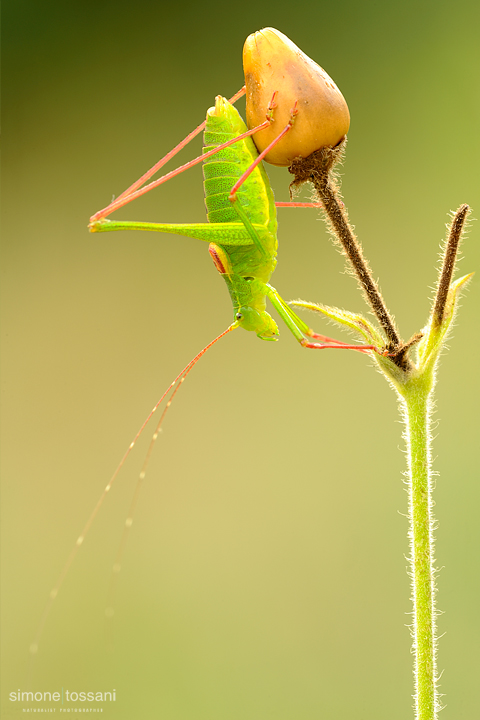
point(449, 260)
point(317, 170)
point(343, 231)
point(416, 400)
point(414, 384)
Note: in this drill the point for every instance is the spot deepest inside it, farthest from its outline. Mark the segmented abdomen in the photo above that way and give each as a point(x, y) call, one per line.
point(222, 170)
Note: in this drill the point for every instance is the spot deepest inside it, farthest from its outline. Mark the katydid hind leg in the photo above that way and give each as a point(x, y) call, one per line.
point(230, 234)
point(163, 161)
point(136, 190)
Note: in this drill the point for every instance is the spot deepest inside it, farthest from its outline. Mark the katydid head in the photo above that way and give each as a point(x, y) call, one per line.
point(259, 321)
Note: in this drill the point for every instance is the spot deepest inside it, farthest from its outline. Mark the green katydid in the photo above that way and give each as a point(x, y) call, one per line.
point(243, 245)
point(242, 222)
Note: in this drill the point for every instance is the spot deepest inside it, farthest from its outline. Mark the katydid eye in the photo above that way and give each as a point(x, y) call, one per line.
point(239, 316)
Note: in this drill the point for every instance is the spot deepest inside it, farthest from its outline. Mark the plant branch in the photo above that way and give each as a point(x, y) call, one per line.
point(448, 265)
point(418, 437)
point(316, 169)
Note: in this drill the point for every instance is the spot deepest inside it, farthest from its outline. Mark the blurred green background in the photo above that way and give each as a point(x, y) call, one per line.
point(265, 573)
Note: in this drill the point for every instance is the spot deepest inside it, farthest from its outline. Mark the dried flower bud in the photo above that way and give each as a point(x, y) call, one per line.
point(273, 63)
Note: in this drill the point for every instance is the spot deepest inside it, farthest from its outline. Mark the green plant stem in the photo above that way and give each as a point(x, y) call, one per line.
point(417, 398)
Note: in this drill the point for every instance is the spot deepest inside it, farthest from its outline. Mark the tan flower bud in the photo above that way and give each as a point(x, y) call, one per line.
point(273, 63)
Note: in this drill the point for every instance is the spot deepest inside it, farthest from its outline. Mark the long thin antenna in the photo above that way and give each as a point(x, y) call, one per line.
point(117, 565)
point(178, 381)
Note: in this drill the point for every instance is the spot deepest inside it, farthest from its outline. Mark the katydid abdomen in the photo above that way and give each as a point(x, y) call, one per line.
point(245, 268)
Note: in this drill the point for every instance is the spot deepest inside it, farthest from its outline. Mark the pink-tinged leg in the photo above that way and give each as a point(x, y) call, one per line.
point(298, 205)
point(125, 199)
point(141, 181)
point(325, 338)
point(233, 192)
point(131, 192)
point(334, 345)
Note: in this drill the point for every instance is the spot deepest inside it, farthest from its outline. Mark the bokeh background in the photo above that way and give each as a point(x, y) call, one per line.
point(265, 573)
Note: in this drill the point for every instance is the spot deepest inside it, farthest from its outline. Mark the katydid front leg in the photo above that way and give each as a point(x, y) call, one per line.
point(302, 332)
